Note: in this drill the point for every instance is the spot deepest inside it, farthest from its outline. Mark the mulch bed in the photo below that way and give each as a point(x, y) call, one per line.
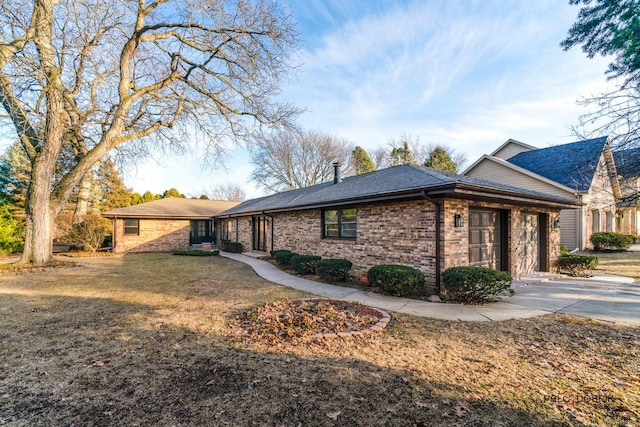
point(295, 321)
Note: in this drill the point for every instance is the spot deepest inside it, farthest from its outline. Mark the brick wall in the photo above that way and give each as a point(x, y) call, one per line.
point(156, 235)
point(397, 233)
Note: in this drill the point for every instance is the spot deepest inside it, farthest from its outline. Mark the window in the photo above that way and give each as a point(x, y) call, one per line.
point(339, 223)
point(226, 229)
point(595, 224)
point(132, 226)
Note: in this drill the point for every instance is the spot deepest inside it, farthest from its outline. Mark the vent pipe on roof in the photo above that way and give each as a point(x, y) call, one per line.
point(336, 173)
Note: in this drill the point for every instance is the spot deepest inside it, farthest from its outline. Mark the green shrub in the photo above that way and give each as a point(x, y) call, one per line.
point(475, 285)
point(273, 253)
point(395, 279)
point(284, 257)
point(195, 252)
point(229, 246)
point(610, 241)
point(305, 264)
point(10, 239)
point(577, 265)
point(334, 269)
point(564, 250)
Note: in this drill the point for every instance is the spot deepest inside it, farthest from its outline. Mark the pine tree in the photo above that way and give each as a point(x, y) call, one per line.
point(361, 161)
point(114, 193)
point(440, 159)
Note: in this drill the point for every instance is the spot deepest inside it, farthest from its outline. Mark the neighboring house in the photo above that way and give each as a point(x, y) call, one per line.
point(628, 168)
point(408, 215)
point(583, 170)
point(164, 225)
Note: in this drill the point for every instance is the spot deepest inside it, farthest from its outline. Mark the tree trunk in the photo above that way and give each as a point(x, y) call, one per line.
point(38, 245)
point(84, 193)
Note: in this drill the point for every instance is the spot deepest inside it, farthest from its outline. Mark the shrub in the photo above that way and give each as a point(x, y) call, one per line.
point(334, 269)
point(395, 279)
point(273, 253)
point(229, 246)
point(610, 241)
point(577, 265)
point(475, 285)
point(305, 264)
point(10, 240)
point(284, 257)
point(195, 252)
point(88, 235)
point(564, 250)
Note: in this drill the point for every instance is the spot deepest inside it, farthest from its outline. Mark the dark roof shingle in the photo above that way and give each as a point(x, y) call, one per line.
point(572, 165)
point(627, 162)
point(382, 183)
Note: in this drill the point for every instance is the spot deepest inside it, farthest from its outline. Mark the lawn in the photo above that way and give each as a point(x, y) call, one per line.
point(143, 340)
point(620, 263)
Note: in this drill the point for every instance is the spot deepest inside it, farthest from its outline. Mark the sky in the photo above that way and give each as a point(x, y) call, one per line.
point(467, 74)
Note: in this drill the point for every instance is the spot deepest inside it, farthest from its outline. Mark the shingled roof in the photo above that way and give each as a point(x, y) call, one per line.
point(398, 182)
point(172, 208)
point(572, 165)
point(627, 162)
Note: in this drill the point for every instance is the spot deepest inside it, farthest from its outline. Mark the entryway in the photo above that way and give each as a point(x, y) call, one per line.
point(259, 233)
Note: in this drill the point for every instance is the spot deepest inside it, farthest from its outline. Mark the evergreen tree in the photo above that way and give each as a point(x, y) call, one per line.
point(440, 159)
point(402, 155)
point(172, 192)
point(609, 27)
point(361, 162)
point(114, 194)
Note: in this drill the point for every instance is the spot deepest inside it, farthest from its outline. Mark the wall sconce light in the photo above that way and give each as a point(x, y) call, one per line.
point(250, 222)
point(555, 223)
point(458, 221)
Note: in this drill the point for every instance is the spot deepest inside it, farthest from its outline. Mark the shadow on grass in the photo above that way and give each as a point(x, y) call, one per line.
point(87, 361)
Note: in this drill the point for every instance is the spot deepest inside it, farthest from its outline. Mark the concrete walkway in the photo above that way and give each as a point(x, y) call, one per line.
point(603, 297)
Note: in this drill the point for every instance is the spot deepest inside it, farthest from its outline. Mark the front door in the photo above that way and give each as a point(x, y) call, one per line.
point(485, 238)
point(201, 232)
point(529, 238)
point(259, 234)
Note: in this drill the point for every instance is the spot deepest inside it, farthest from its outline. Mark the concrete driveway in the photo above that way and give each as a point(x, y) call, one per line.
point(602, 297)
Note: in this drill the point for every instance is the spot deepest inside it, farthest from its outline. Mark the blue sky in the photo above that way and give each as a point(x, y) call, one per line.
point(468, 74)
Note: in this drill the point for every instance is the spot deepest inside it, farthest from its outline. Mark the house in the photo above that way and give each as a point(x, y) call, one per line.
point(583, 170)
point(408, 215)
point(164, 225)
point(628, 208)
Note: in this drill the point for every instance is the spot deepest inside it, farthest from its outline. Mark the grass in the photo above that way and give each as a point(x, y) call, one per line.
point(143, 340)
point(620, 263)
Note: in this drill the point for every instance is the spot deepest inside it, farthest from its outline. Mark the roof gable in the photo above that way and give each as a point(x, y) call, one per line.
point(510, 148)
point(572, 165)
point(172, 207)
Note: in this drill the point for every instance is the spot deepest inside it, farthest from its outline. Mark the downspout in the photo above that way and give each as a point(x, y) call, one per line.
point(237, 225)
point(113, 234)
point(438, 233)
point(272, 219)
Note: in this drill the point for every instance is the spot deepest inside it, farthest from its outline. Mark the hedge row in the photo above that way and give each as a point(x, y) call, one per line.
point(610, 241)
point(475, 285)
point(327, 269)
point(577, 265)
point(229, 246)
point(395, 279)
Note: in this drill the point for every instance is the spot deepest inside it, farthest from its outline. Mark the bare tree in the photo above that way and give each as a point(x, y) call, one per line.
point(229, 191)
point(291, 159)
point(106, 74)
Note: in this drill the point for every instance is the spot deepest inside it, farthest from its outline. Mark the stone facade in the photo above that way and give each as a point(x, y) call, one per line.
point(155, 235)
point(396, 233)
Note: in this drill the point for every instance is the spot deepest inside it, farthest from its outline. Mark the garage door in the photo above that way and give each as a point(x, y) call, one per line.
point(484, 238)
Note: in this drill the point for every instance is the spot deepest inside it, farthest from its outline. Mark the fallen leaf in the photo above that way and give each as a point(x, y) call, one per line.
point(100, 362)
point(334, 415)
